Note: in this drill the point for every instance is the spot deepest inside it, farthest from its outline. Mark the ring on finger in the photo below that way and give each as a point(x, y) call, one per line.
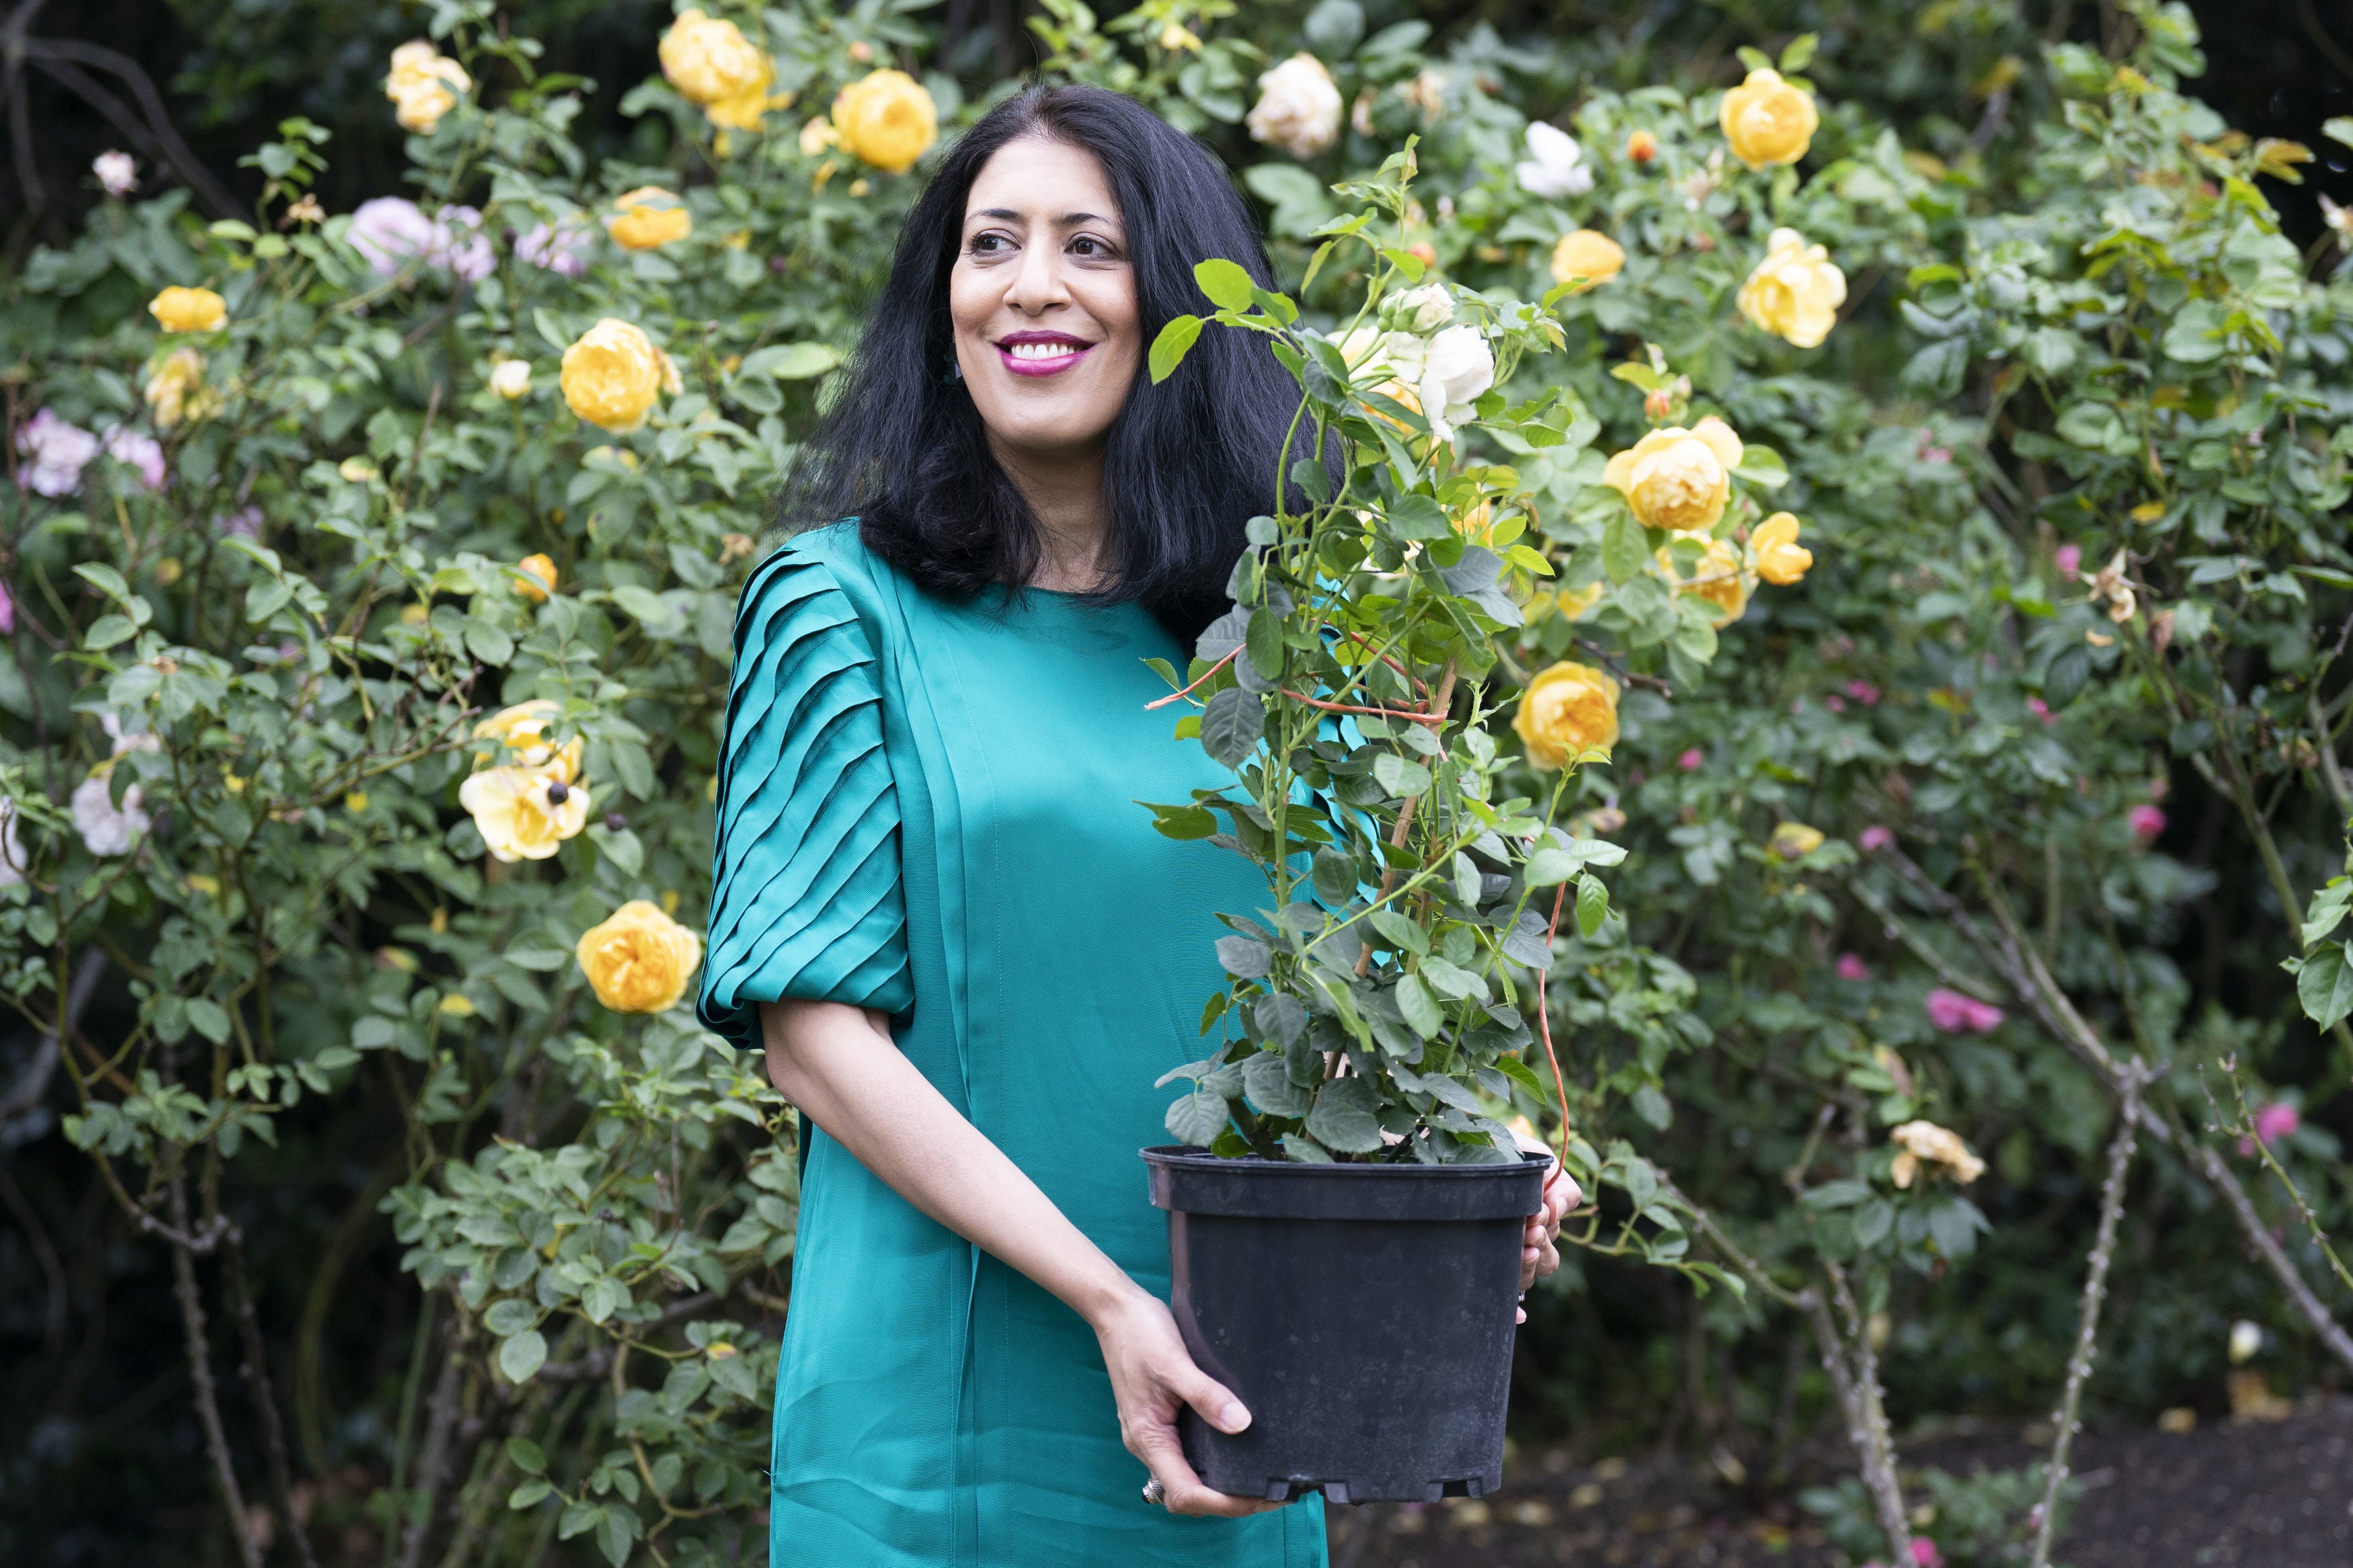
point(1155, 1493)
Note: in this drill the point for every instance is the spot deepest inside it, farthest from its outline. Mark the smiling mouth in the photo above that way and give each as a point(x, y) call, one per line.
point(1041, 353)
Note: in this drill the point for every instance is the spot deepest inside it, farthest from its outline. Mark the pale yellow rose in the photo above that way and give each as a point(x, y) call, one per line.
point(1795, 291)
point(178, 309)
point(173, 387)
point(423, 85)
point(1567, 711)
point(534, 578)
point(1780, 558)
point(886, 118)
point(524, 813)
point(1676, 479)
point(1715, 577)
point(612, 375)
point(1925, 1143)
point(1298, 108)
point(639, 960)
point(817, 135)
point(1794, 840)
point(1575, 604)
point(510, 378)
point(522, 729)
point(1587, 254)
point(649, 218)
point(1768, 120)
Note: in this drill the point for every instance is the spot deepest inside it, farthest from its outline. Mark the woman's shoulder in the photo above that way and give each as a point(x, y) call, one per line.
point(817, 576)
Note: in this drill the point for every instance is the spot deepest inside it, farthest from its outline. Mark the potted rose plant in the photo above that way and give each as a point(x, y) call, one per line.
point(1378, 1006)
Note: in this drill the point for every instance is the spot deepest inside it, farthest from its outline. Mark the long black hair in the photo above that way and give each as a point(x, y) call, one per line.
point(1187, 462)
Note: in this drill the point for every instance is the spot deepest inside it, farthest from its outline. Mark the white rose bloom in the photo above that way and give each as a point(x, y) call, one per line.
point(1556, 164)
point(1298, 108)
point(13, 863)
point(136, 740)
point(106, 829)
point(1425, 308)
point(1459, 368)
point(510, 378)
point(117, 172)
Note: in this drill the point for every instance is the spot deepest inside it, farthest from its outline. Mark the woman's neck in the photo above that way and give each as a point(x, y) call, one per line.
point(1065, 492)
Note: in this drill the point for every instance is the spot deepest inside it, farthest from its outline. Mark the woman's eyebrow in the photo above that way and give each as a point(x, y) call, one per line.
point(1067, 220)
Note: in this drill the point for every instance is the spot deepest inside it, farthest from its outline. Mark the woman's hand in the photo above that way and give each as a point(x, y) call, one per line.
point(1539, 1240)
point(1152, 1377)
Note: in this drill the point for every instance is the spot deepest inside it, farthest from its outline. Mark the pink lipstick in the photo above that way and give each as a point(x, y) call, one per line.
point(1040, 353)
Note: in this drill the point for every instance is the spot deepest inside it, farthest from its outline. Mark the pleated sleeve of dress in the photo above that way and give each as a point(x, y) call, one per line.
point(806, 897)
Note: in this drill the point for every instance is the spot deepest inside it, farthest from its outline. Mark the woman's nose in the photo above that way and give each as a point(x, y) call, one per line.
point(1037, 283)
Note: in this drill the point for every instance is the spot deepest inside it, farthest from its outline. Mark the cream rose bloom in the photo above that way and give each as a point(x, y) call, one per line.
point(1567, 711)
point(423, 85)
point(1554, 166)
point(523, 813)
point(170, 385)
point(178, 309)
point(1795, 291)
point(1925, 1143)
point(717, 68)
point(1586, 255)
point(510, 378)
point(1678, 479)
point(1768, 120)
point(1298, 108)
point(638, 960)
point(1715, 577)
point(1780, 560)
point(1457, 369)
point(1423, 310)
point(886, 118)
point(612, 375)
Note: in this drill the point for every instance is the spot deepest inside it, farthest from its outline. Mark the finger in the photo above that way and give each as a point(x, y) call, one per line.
point(1522, 1317)
point(1158, 1446)
point(1211, 1400)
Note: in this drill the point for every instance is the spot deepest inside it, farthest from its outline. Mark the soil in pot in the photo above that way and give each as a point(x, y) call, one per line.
point(1364, 1313)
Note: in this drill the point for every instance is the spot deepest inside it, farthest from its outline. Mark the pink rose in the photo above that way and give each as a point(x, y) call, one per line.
point(7, 612)
point(142, 454)
point(2041, 710)
point(1864, 692)
point(1924, 1553)
point(1851, 966)
point(2068, 559)
point(1835, 703)
point(2276, 1121)
point(1875, 837)
point(1956, 1014)
point(1690, 760)
point(2146, 821)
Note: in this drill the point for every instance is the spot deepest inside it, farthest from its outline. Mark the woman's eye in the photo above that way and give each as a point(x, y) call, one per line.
point(987, 244)
point(1088, 245)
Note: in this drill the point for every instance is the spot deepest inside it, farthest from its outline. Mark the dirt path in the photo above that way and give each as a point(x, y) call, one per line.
point(2275, 1495)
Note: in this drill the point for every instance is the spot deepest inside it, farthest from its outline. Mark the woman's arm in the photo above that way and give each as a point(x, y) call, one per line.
point(839, 1065)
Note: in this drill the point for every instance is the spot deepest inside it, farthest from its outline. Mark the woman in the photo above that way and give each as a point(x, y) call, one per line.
point(965, 950)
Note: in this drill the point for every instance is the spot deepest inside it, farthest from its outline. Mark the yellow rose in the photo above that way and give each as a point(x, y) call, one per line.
point(524, 813)
point(1794, 840)
point(522, 729)
point(1768, 120)
point(1575, 604)
point(1676, 479)
point(612, 375)
point(1589, 256)
point(1924, 1142)
point(423, 85)
point(639, 960)
point(1567, 711)
point(1717, 578)
point(1795, 291)
point(886, 118)
point(534, 578)
point(169, 385)
point(649, 217)
point(817, 135)
point(179, 309)
point(709, 59)
point(1780, 560)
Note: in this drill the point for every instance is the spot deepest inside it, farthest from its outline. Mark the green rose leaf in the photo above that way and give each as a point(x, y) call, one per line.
point(1225, 282)
point(1169, 349)
point(1198, 1119)
point(1232, 725)
point(1346, 1117)
point(521, 1355)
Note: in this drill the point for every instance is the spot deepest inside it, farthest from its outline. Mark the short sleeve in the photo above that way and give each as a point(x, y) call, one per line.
point(805, 899)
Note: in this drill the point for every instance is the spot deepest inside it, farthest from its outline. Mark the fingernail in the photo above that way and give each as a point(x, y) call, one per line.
point(1233, 1418)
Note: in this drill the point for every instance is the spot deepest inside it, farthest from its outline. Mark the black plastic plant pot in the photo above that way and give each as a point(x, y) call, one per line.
point(1364, 1313)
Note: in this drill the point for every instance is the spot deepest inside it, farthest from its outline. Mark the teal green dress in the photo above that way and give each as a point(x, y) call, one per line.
point(927, 807)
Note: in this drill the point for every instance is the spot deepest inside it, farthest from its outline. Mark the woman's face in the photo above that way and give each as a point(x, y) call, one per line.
point(1043, 299)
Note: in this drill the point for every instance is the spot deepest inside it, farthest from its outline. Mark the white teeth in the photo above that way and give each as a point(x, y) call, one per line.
point(1042, 350)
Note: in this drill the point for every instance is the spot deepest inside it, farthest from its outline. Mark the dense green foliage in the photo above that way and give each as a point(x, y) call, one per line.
point(2002, 815)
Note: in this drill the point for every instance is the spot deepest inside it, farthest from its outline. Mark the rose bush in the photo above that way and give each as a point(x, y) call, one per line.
point(1932, 506)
